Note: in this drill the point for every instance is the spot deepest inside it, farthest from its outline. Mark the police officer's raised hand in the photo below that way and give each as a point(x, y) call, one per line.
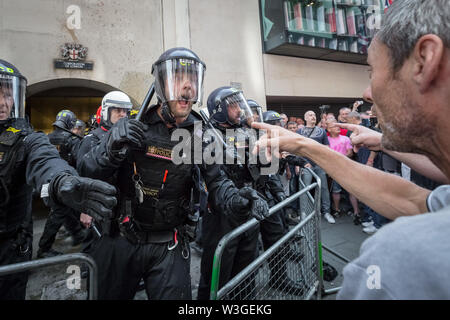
point(93, 197)
point(123, 134)
point(258, 207)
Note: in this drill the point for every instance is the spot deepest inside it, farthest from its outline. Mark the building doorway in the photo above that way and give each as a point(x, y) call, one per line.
point(46, 99)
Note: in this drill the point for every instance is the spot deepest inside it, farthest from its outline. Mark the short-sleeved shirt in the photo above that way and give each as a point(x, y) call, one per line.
point(416, 264)
point(340, 144)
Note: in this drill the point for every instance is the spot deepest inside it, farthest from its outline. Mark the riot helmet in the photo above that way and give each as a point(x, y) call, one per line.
point(179, 74)
point(12, 92)
point(228, 107)
point(272, 117)
point(114, 100)
point(79, 127)
point(256, 110)
point(65, 119)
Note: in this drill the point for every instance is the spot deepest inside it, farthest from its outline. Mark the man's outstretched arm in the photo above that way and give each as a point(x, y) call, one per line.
point(387, 194)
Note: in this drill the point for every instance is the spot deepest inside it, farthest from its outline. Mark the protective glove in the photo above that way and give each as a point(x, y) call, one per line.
point(295, 160)
point(258, 207)
point(93, 197)
point(280, 196)
point(124, 134)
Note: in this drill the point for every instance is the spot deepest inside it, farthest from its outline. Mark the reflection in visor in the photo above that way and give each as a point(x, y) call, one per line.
point(238, 111)
point(179, 79)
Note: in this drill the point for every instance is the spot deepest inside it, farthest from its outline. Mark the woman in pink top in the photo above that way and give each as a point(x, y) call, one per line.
point(343, 145)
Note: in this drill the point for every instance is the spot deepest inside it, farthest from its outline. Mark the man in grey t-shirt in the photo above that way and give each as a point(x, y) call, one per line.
point(410, 257)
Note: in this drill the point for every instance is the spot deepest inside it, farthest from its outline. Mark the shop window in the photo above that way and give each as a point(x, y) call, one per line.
point(339, 30)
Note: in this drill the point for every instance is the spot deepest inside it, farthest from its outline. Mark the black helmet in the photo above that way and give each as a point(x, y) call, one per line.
point(256, 109)
point(80, 124)
point(272, 117)
point(169, 66)
point(12, 91)
point(178, 76)
point(227, 105)
point(65, 119)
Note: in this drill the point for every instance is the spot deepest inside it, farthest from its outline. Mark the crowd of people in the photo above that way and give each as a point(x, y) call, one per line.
point(337, 138)
point(139, 200)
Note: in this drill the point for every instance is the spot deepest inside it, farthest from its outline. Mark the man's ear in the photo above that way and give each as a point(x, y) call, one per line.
point(427, 58)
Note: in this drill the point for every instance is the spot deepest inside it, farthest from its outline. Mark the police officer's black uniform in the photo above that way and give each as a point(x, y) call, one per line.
point(67, 144)
point(149, 236)
point(28, 161)
point(243, 250)
point(239, 253)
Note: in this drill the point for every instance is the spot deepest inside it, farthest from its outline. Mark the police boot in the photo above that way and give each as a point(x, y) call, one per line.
point(48, 253)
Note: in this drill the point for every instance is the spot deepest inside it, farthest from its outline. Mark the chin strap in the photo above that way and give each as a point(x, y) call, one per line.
point(167, 115)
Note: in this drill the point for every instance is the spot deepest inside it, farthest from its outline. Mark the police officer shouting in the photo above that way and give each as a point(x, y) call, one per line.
point(149, 237)
point(29, 161)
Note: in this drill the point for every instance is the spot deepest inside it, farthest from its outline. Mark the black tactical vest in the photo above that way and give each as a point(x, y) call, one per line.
point(166, 187)
point(15, 194)
point(245, 173)
point(60, 139)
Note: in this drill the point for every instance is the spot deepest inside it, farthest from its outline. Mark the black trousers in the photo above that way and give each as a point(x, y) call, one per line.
point(237, 255)
point(55, 220)
point(14, 250)
point(122, 264)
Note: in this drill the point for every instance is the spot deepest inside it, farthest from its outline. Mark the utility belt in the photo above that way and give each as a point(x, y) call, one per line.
point(134, 233)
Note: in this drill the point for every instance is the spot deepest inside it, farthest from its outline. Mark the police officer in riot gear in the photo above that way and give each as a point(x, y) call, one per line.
point(29, 161)
point(67, 143)
point(229, 109)
point(115, 106)
point(62, 137)
point(80, 128)
point(149, 236)
point(256, 110)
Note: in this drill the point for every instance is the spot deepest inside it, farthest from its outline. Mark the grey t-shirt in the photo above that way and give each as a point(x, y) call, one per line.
point(315, 133)
point(406, 259)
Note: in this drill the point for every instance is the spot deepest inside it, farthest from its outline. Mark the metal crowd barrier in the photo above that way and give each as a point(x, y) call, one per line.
point(295, 258)
point(320, 244)
point(47, 262)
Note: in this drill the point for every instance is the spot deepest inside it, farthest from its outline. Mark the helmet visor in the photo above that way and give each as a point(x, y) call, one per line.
point(257, 114)
point(12, 96)
point(238, 111)
point(118, 104)
point(179, 79)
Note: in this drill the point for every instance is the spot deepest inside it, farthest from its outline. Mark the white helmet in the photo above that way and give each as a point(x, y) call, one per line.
point(114, 99)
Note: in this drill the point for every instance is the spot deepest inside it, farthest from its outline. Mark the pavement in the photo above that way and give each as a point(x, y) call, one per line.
point(52, 283)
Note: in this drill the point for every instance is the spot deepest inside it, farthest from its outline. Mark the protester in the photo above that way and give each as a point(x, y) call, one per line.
point(408, 83)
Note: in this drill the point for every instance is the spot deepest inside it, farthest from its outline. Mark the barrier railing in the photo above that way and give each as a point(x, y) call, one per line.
point(289, 269)
point(47, 262)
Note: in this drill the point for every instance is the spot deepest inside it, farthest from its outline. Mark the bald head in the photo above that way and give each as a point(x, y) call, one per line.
point(310, 118)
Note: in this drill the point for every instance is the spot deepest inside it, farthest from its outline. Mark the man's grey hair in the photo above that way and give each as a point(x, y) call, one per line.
point(408, 20)
point(355, 115)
